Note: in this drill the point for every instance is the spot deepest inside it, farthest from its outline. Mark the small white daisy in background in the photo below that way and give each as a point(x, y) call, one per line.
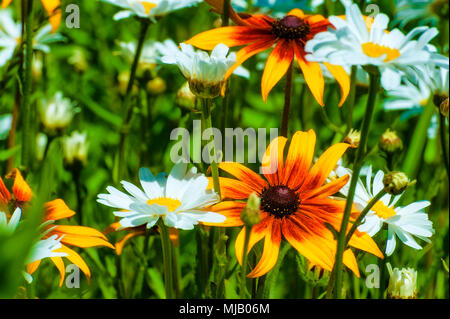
point(148, 8)
point(75, 148)
point(403, 222)
point(353, 42)
point(57, 113)
point(206, 74)
point(11, 36)
point(402, 283)
point(181, 199)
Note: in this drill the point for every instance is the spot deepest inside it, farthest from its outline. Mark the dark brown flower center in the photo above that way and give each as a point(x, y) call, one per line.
point(279, 201)
point(291, 27)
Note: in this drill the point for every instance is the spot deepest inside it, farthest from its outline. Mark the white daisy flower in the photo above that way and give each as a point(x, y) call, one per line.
point(11, 36)
point(354, 42)
point(180, 199)
point(57, 112)
point(403, 222)
point(148, 8)
point(407, 96)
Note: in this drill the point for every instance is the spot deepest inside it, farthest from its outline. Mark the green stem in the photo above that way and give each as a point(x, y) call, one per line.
point(128, 106)
point(243, 290)
point(206, 105)
point(444, 143)
point(338, 266)
point(167, 257)
point(26, 109)
point(363, 214)
point(287, 102)
point(351, 99)
point(417, 144)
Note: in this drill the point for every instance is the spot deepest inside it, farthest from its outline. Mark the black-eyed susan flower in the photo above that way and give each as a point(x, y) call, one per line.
point(53, 8)
point(295, 204)
point(289, 35)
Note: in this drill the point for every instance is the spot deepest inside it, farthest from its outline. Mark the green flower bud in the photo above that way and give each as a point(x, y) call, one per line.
point(444, 107)
point(156, 86)
point(251, 214)
point(395, 183)
point(353, 138)
point(390, 142)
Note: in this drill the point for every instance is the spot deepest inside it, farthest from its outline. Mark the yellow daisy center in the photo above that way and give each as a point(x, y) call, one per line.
point(383, 211)
point(148, 6)
point(374, 50)
point(171, 204)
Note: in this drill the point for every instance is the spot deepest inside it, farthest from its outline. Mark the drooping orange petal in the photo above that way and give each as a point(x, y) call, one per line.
point(231, 210)
point(364, 242)
point(327, 189)
point(76, 259)
point(258, 232)
point(121, 243)
point(271, 250)
point(57, 209)
point(324, 165)
point(299, 158)
point(230, 36)
point(234, 189)
point(5, 3)
point(53, 8)
point(82, 241)
point(245, 53)
point(244, 174)
point(59, 263)
point(82, 231)
point(342, 78)
point(311, 72)
point(349, 260)
point(32, 267)
point(277, 65)
point(21, 190)
point(272, 162)
point(5, 195)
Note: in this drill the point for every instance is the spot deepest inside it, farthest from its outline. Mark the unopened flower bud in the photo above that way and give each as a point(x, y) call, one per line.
point(353, 138)
point(395, 183)
point(75, 148)
point(123, 78)
point(206, 90)
point(185, 98)
point(251, 214)
point(41, 144)
point(78, 60)
point(402, 283)
point(390, 142)
point(438, 98)
point(444, 108)
point(156, 86)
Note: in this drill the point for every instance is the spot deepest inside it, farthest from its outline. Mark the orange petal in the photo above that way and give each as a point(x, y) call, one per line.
point(296, 12)
point(299, 158)
point(231, 210)
point(230, 36)
point(112, 228)
point(324, 165)
point(121, 243)
point(59, 263)
point(272, 161)
point(21, 190)
point(234, 189)
point(350, 261)
point(364, 242)
point(83, 241)
point(245, 53)
point(244, 174)
point(53, 8)
point(5, 3)
point(271, 250)
point(342, 78)
point(57, 209)
point(276, 66)
point(76, 259)
point(312, 74)
point(32, 267)
point(258, 232)
point(5, 195)
point(79, 230)
point(327, 189)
